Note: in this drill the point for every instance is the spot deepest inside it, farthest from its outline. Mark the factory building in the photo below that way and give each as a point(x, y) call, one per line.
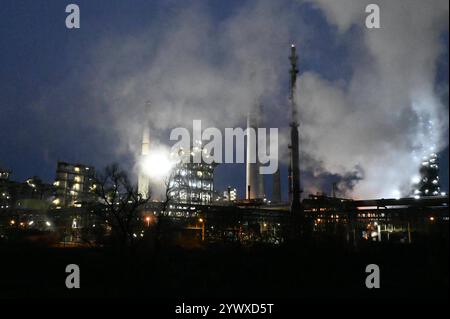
point(230, 195)
point(33, 194)
point(192, 183)
point(75, 185)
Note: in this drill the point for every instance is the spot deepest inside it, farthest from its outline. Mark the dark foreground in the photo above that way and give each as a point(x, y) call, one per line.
point(321, 269)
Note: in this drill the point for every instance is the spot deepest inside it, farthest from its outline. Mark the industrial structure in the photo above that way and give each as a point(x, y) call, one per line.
point(294, 167)
point(276, 187)
point(30, 194)
point(75, 185)
point(428, 183)
point(143, 178)
point(230, 195)
point(254, 180)
point(192, 182)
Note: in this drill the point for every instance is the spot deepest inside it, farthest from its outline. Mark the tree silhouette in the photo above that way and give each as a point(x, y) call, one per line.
point(119, 204)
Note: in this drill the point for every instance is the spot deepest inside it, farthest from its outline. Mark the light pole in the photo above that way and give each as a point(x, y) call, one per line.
point(202, 222)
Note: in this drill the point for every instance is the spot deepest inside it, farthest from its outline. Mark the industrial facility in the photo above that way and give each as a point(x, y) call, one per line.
point(74, 185)
point(190, 182)
point(187, 177)
point(427, 182)
point(254, 180)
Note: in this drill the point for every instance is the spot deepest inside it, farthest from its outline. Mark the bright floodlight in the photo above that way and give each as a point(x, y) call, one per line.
point(157, 165)
point(416, 179)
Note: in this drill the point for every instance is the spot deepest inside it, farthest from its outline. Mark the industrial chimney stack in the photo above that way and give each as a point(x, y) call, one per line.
point(143, 179)
point(295, 153)
point(254, 180)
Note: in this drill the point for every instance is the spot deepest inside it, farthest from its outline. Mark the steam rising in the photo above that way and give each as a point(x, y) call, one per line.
point(371, 127)
point(388, 116)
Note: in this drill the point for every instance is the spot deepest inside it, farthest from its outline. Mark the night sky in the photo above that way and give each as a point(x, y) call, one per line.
point(50, 105)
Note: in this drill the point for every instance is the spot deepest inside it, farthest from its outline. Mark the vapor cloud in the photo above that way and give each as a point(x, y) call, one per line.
point(389, 115)
point(370, 127)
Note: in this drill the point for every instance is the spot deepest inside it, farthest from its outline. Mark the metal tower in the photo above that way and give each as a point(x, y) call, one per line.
point(295, 154)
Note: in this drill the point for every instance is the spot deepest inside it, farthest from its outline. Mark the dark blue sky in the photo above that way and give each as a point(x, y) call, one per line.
point(38, 54)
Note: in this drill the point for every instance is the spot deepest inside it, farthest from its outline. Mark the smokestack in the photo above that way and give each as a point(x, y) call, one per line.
point(260, 193)
point(276, 190)
point(290, 176)
point(334, 189)
point(143, 179)
point(295, 154)
point(252, 166)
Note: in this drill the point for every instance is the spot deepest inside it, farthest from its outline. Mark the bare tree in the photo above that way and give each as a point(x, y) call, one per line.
point(119, 204)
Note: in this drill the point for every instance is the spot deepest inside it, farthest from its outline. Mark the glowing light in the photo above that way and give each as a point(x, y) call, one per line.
point(396, 194)
point(417, 197)
point(157, 165)
point(48, 223)
point(416, 179)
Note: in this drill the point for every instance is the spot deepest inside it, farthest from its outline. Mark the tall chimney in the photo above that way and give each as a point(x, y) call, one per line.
point(143, 179)
point(295, 154)
point(252, 184)
point(261, 193)
point(276, 190)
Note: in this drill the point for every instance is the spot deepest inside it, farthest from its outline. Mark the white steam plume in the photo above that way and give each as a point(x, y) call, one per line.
point(389, 115)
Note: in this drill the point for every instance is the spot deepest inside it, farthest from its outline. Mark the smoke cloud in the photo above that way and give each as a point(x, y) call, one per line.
point(369, 126)
point(389, 115)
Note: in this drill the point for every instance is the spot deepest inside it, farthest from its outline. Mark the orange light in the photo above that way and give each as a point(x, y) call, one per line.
point(147, 218)
point(432, 218)
point(200, 220)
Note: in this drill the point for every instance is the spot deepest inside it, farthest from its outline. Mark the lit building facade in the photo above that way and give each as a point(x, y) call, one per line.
point(75, 185)
point(230, 194)
point(428, 183)
point(192, 183)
